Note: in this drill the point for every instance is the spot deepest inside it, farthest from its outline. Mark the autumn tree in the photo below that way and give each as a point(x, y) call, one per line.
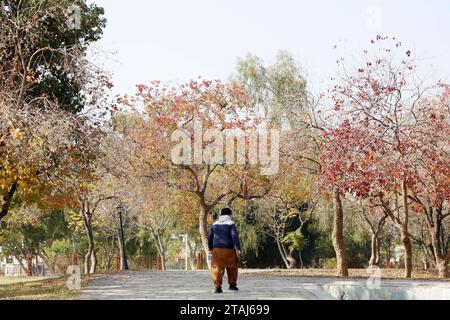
point(156, 211)
point(430, 192)
point(42, 53)
point(374, 219)
point(37, 149)
point(208, 105)
point(369, 154)
point(45, 81)
point(107, 226)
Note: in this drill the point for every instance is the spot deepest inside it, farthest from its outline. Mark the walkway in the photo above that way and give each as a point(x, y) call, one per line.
point(197, 285)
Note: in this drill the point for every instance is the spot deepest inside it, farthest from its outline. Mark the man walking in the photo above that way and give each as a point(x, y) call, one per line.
point(223, 243)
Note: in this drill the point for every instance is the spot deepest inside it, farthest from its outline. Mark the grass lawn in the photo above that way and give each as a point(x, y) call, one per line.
point(40, 288)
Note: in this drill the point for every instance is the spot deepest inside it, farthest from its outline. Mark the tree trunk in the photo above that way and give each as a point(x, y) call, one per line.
point(388, 255)
point(29, 257)
point(442, 266)
point(19, 259)
point(93, 262)
point(202, 221)
point(374, 257)
point(406, 241)
point(7, 199)
point(90, 259)
point(120, 250)
point(292, 261)
point(282, 253)
point(441, 261)
point(45, 259)
point(109, 251)
point(338, 236)
point(423, 250)
point(87, 258)
point(288, 257)
point(160, 248)
point(404, 233)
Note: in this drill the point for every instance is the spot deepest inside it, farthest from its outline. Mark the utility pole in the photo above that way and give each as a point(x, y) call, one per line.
point(184, 237)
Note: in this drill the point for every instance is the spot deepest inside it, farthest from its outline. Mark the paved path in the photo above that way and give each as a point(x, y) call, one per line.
point(187, 285)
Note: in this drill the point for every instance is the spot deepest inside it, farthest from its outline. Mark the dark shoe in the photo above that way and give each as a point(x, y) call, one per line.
point(218, 290)
point(233, 287)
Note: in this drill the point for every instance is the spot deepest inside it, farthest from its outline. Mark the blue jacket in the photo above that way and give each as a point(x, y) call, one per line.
point(223, 234)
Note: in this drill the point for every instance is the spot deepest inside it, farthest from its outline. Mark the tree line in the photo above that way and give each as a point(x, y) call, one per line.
point(361, 167)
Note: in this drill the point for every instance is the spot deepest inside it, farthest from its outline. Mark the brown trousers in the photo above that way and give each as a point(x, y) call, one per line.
point(224, 259)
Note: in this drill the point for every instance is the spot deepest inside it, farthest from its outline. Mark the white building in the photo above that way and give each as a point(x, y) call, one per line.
point(10, 266)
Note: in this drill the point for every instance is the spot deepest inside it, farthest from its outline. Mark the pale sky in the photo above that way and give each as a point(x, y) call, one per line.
point(176, 40)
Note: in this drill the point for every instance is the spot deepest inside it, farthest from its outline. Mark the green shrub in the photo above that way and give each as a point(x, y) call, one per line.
point(329, 263)
point(58, 255)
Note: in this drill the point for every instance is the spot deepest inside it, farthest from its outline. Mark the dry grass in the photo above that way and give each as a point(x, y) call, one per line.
point(42, 289)
point(11, 280)
point(353, 273)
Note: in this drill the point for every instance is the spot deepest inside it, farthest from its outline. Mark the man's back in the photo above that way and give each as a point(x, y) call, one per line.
point(224, 234)
point(223, 243)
